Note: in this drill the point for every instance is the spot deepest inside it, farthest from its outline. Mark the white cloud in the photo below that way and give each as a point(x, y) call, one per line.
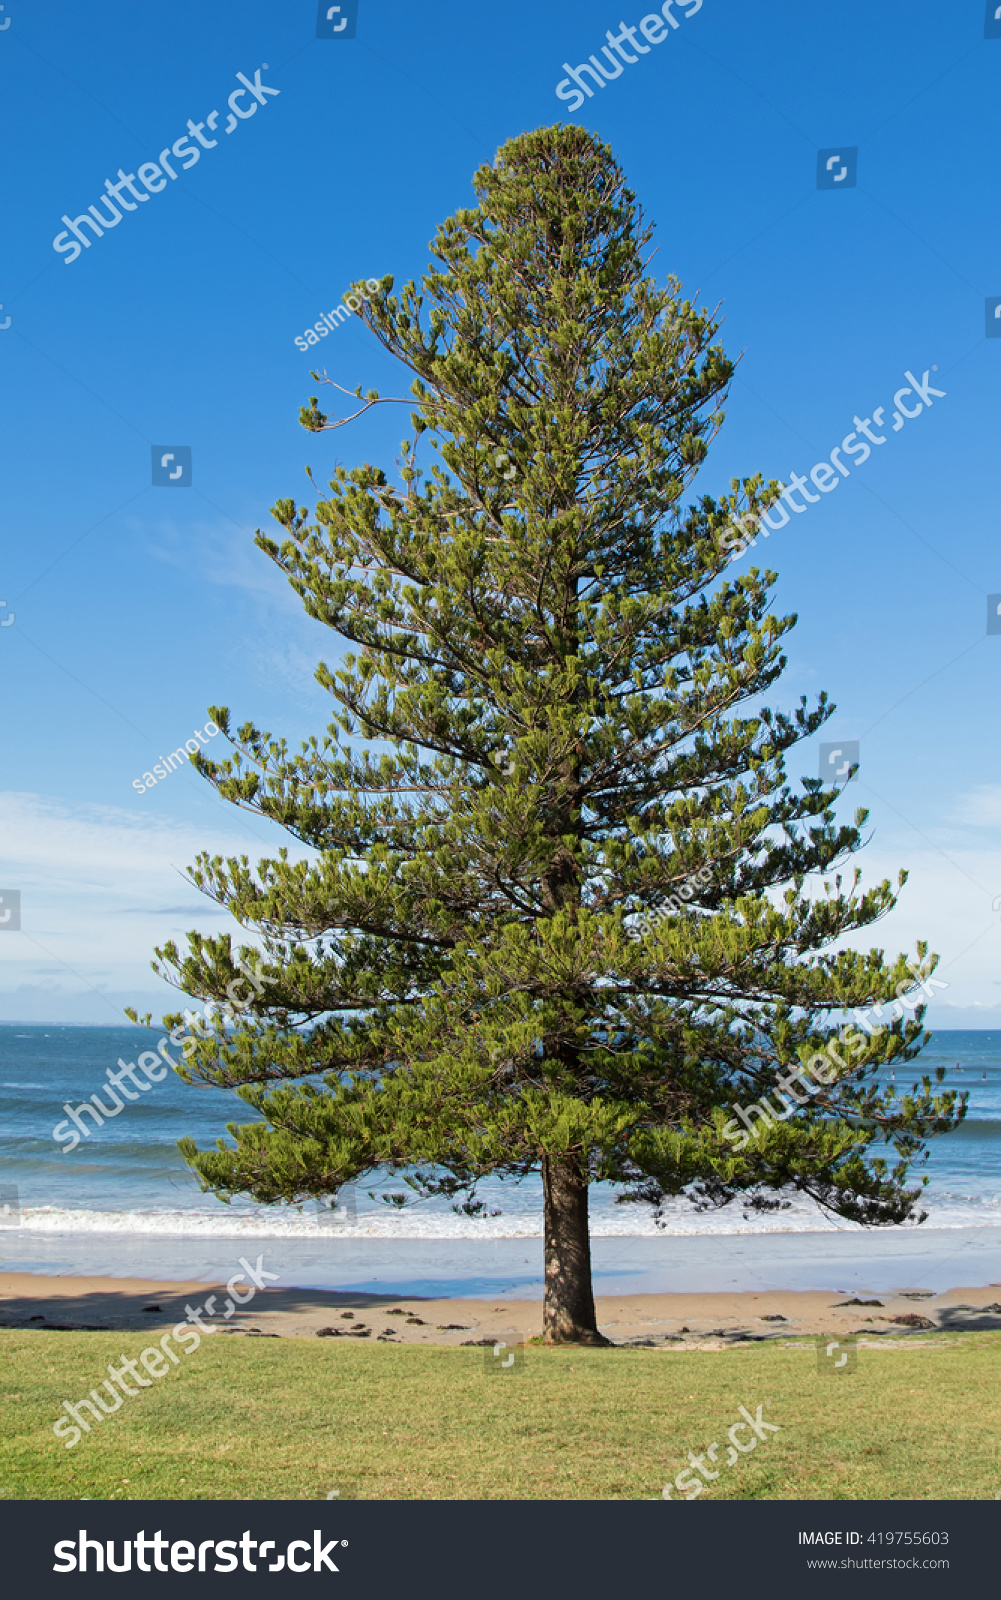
point(105, 849)
point(947, 901)
point(981, 808)
point(100, 887)
point(224, 554)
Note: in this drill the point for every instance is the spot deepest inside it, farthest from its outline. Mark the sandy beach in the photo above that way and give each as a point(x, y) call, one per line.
point(670, 1321)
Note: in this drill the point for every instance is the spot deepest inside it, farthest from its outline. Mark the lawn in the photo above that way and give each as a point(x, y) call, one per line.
point(294, 1419)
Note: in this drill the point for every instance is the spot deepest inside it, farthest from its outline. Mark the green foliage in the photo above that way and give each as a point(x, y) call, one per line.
point(550, 720)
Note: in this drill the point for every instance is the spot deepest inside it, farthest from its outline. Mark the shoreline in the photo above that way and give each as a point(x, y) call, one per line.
point(845, 1262)
point(714, 1320)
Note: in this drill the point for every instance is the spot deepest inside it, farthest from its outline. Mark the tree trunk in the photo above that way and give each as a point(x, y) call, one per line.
point(568, 1309)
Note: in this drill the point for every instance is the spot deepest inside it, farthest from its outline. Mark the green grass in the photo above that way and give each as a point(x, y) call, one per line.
point(292, 1419)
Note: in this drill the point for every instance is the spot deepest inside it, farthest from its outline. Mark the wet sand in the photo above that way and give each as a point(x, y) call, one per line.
point(859, 1262)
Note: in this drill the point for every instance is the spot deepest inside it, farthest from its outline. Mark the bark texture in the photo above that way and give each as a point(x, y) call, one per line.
point(568, 1310)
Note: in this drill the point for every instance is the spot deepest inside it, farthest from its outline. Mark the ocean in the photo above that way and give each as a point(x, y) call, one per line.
point(124, 1202)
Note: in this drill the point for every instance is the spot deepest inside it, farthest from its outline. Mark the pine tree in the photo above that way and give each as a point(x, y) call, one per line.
point(562, 684)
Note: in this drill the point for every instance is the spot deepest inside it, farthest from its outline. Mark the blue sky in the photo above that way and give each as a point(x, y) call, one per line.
point(135, 607)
